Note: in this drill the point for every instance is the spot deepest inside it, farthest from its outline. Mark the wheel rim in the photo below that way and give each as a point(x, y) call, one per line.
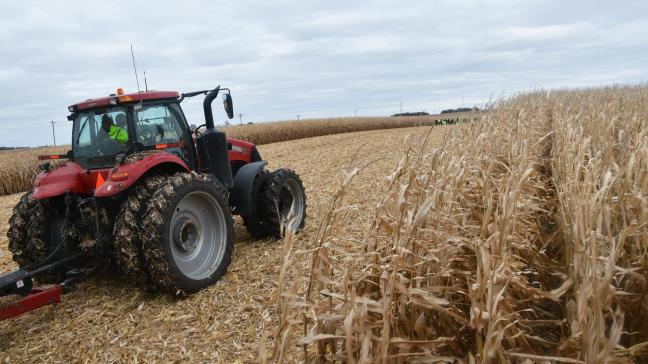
point(198, 235)
point(291, 205)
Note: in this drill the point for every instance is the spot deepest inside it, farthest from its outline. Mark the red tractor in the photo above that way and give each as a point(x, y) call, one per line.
point(144, 193)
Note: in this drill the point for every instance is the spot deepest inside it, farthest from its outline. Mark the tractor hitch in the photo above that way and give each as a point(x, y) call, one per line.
point(37, 298)
point(20, 283)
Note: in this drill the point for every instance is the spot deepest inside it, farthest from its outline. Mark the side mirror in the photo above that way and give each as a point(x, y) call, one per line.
point(227, 104)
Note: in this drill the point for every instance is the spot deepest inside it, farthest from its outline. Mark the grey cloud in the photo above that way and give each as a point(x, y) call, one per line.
point(292, 57)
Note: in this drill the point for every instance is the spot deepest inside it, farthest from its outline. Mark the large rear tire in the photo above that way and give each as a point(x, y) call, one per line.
point(187, 233)
point(35, 230)
point(282, 203)
point(128, 245)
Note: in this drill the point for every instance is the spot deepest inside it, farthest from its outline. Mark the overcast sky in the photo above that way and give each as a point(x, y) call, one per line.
point(283, 58)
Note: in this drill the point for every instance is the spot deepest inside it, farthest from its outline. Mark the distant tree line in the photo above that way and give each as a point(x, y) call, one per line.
point(447, 111)
point(460, 109)
point(417, 113)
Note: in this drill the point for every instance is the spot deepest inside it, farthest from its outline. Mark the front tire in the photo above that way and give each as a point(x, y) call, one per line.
point(282, 203)
point(255, 222)
point(187, 233)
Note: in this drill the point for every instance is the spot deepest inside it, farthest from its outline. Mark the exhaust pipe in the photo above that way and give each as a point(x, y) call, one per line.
point(209, 116)
point(212, 146)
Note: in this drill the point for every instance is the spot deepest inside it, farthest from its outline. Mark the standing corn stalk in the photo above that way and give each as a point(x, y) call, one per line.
point(524, 236)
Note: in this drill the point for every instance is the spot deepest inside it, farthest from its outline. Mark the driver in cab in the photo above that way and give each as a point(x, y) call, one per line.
point(113, 131)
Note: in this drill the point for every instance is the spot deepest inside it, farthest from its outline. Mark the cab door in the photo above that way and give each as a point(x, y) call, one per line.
point(164, 123)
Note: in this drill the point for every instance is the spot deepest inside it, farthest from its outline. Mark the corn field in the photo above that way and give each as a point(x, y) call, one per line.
point(19, 167)
point(290, 130)
point(521, 238)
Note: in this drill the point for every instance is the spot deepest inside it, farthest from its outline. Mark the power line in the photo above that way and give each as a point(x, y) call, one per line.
point(53, 133)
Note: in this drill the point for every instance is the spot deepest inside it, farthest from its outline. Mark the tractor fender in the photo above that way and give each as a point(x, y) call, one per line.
point(58, 179)
point(240, 150)
point(243, 182)
point(127, 174)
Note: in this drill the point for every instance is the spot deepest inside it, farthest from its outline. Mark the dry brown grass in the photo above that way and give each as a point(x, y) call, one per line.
point(19, 167)
point(523, 237)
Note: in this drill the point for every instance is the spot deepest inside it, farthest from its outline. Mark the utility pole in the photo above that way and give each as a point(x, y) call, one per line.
point(53, 134)
point(401, 103)
point(241, 118)
point(298, 115)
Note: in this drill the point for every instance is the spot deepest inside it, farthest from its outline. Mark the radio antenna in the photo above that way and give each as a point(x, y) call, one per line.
point(136, 78)
point(145, 84)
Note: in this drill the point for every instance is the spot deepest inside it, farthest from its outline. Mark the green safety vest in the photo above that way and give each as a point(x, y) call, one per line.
point(118, 134)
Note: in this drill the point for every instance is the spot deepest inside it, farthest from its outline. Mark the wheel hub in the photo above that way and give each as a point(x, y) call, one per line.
point(186, 234)
point(199, 232)
point(291, 205)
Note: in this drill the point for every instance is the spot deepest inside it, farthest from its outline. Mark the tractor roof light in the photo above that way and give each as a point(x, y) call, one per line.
point(120, 91)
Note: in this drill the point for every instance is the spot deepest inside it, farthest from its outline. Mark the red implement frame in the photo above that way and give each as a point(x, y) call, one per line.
point(36, 299)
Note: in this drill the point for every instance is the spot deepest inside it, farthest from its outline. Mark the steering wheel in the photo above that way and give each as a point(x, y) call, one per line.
point(150, 134)
point(145, 135)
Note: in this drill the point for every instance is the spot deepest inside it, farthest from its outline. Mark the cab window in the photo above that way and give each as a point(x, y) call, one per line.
point(162, 124)
point(98, 135)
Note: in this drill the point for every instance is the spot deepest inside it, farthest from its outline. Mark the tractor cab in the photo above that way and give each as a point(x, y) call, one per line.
point(119, 125)
point(118, 139)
